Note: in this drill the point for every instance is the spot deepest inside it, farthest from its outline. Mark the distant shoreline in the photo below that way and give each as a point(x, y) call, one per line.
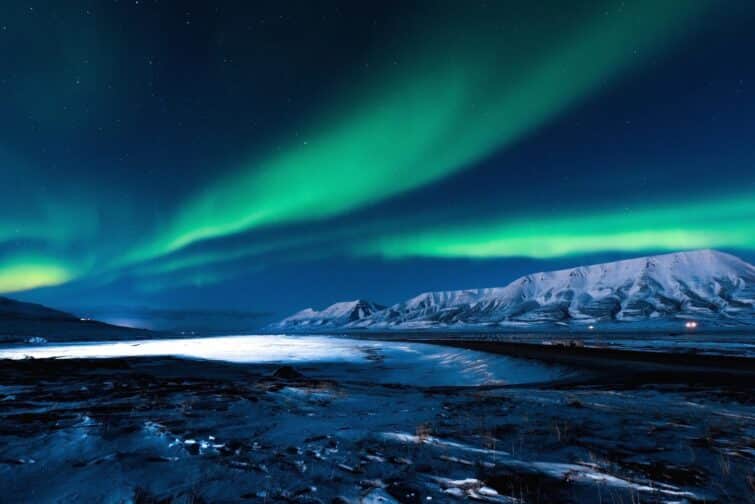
point(603, 358)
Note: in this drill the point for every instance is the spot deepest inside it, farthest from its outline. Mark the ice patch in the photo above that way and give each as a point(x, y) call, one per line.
point(392, 362)
point(573, 473)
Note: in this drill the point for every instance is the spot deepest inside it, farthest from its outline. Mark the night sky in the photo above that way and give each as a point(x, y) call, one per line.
point(268, 156)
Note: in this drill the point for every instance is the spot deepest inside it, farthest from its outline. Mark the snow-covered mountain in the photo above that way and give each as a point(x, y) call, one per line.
point(704, 285)
point(336, 315)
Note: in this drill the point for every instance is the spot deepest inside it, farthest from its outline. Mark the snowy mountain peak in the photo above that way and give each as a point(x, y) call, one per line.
point(705, 285)
point(335, 315)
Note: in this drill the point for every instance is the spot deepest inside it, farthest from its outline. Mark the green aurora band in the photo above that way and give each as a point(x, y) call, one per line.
point(723, 222)
point(29, 271)
point(717, 223)
point(461, 94)
point(457, 102)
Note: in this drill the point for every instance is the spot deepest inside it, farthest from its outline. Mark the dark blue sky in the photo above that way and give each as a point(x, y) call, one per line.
point(267, 156)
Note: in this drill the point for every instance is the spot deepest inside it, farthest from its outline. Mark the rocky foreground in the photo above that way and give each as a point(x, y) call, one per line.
point(151, 430)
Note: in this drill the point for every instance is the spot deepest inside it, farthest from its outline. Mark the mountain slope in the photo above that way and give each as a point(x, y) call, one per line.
point(704, 285)
point(20, 321)
point(18, 310)
point(336, 315)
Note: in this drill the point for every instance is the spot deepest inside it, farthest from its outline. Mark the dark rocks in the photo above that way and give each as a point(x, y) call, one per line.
point(490, 444)
point(287, 373)
point(405, 492)
point(339, 499)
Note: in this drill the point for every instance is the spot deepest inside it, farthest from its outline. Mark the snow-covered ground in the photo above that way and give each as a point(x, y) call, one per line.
point(321, 420)
point(386, 362)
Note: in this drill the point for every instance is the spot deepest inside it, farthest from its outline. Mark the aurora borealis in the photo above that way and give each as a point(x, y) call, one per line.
point(715, 224)
point(157, 153)
point(406, 133)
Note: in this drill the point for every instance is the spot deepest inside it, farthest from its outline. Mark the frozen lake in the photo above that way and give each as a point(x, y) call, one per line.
point(342, 358)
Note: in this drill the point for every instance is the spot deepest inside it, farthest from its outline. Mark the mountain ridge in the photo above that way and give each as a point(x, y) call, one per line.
point(335, 315)
point(13, 309)
point(715, 287)
point(21, 321)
